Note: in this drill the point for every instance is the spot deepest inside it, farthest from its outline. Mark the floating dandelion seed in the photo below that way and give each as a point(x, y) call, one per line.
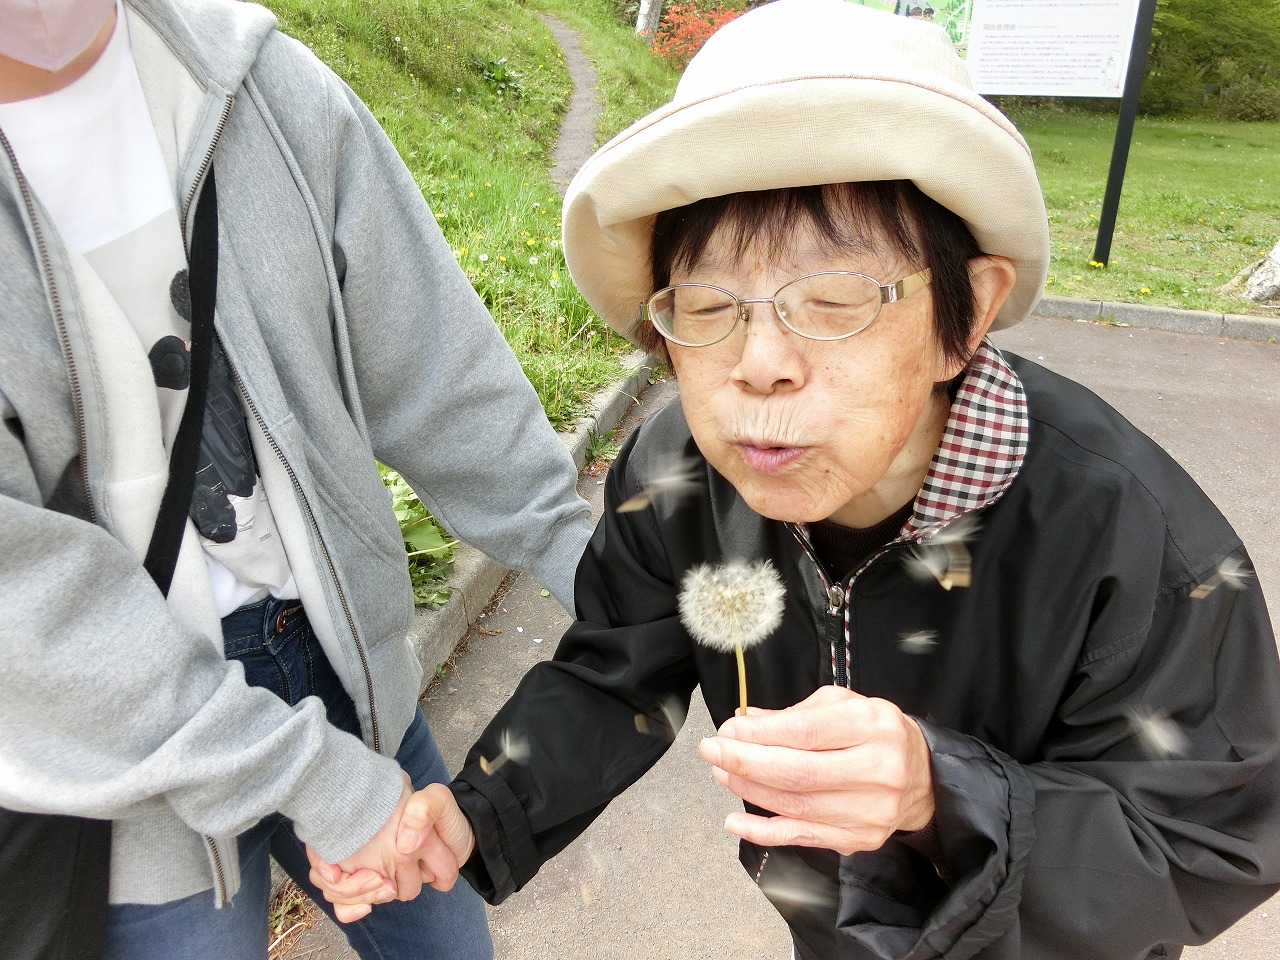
point(1230, 572)
point(944, 556)
point(653, 806)
point(682, 478)
point(918, 641)
point(796, 884)
point(1160, 736)
point(513, 748)
point(732, 607)
point(665, 721)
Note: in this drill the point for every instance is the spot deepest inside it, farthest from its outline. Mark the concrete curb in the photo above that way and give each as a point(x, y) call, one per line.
point(475, 579)
point(1266, 329)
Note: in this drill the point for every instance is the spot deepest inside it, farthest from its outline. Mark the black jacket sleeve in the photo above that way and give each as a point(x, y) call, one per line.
point(584, 726)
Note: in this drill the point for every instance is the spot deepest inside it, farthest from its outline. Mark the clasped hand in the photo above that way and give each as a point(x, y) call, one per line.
point(840, 771)
point(424, 841)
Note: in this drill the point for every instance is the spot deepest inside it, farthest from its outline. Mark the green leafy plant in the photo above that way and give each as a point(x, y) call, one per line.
point(502, 80)
point(430, 550)
point(602, 446)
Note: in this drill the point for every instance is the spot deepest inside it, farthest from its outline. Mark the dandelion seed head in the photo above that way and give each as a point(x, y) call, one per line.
point(1159, 735)
point(736, 604)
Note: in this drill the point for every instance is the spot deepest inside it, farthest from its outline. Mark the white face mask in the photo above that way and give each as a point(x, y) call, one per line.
point(49, 34)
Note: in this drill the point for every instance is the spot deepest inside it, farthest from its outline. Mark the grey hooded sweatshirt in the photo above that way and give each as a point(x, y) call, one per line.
point(352, 334)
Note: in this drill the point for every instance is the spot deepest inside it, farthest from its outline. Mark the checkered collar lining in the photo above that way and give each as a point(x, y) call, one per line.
point(982, 448)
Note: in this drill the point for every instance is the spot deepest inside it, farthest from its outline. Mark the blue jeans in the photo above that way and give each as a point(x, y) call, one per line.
point(274, 642)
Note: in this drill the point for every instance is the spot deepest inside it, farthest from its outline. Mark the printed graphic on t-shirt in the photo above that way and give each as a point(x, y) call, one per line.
point(223, 501)
point(226, 473)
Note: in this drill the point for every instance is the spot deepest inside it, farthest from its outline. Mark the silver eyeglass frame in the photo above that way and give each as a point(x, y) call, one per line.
point(889, 293)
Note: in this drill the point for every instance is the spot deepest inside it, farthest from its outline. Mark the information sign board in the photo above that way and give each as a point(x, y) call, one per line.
point(1043, 48)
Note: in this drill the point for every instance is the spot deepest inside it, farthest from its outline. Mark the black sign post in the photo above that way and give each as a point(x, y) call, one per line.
point(1124, 129)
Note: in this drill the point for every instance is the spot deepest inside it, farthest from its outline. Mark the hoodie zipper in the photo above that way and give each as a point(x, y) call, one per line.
point(204, 165)
point(324, 550)
point(275, 447)
point(219, 872)
point(60, 322)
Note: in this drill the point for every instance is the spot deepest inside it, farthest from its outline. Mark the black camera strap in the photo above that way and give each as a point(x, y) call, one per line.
point(166, 539)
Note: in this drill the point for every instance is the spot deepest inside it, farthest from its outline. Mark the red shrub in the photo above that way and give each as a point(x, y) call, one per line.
point(685, 28)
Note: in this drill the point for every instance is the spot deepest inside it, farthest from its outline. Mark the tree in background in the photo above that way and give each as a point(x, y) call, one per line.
point(1206, 52)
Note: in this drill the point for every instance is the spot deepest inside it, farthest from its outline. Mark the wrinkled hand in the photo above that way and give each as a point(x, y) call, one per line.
point(425, 840)
point(840, 770)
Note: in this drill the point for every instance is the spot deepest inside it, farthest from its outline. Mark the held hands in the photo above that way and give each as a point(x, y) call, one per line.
point(840, 770)
point(425, 840)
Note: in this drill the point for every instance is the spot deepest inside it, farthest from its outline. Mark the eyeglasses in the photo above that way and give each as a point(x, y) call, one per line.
point(831, 305)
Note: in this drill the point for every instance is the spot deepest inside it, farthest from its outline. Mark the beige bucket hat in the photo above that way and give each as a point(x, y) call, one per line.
point(803, 92)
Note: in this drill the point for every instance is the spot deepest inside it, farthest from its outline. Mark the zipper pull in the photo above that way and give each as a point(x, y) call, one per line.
point(835, 599)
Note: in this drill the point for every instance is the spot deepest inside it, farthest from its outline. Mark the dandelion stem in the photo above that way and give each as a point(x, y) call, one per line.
point(742, 677)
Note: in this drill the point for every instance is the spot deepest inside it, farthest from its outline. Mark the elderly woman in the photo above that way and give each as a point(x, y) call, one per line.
point(1022, 699)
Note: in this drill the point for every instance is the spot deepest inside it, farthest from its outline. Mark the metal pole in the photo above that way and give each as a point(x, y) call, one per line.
point(1124, 128)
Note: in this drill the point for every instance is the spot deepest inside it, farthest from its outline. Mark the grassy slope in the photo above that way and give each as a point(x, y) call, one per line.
point(471, 92)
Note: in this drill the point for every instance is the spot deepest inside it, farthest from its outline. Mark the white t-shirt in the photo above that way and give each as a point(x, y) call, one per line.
point(90, 154)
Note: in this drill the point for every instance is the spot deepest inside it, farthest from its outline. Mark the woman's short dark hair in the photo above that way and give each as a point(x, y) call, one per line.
point(849, 217)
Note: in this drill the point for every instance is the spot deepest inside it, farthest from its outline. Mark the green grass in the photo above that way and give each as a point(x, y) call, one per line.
point(471, 92)
point(1201, 201)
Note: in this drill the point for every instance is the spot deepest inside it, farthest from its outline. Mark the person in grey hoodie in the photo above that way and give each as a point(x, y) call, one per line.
point(270, 701)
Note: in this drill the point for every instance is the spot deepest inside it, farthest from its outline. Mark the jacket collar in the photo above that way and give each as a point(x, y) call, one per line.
point(982, 448)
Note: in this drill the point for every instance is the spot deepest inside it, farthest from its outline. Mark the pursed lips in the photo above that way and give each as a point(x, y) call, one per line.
point(766, 457)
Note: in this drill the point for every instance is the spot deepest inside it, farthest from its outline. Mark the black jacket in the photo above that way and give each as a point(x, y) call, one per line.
point(1064, 830)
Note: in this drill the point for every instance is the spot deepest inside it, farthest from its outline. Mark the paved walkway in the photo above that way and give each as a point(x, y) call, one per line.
point(655, 878)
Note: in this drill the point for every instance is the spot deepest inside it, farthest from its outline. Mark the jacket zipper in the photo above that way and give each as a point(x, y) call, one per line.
point(324, 550)
point(204, 165)
point(218, 870)
point(59, 320)
point(836, 595)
